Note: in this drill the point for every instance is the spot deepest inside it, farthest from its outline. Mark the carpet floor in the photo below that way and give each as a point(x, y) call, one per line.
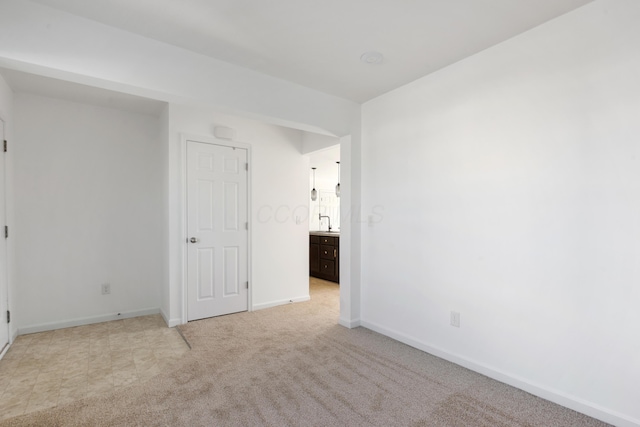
point(294, 366)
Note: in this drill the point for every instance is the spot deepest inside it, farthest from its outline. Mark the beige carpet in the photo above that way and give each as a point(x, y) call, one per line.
point(294, 366)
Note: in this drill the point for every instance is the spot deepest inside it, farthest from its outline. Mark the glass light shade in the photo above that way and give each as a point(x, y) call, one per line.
point(314, 193)
point(338, 184)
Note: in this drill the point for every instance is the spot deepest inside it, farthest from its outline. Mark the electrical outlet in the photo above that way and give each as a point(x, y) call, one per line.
point(455, 319)
point(106, 289)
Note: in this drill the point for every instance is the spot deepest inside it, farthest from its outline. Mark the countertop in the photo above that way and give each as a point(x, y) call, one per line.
point(325, 233)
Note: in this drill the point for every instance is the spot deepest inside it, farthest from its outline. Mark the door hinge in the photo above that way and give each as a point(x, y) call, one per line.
point(8, 316)
point(6, 231)
point(246, 225)
point(246, 285)
point(5, 145)
point(246, 165)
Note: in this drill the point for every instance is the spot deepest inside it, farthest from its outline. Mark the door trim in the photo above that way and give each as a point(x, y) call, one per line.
point(184, 138)
point(7, 292)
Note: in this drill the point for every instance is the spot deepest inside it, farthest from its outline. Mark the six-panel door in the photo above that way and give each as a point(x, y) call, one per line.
point(217, 215)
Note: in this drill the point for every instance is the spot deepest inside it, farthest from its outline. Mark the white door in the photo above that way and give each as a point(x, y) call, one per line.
point(4, 291)
point(217, 236)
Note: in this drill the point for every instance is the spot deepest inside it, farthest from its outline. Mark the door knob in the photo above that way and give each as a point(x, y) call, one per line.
point(194, 240)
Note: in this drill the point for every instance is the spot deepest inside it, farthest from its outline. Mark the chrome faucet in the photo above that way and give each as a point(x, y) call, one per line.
point(320, 216)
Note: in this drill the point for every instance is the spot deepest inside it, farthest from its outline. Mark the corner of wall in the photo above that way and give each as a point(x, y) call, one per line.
point(171, 323)
point(6, 113)
point(165, 302)
point(350, 323)
point(350, 231)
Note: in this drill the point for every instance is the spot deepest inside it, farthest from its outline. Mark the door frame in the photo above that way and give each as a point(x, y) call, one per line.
point(5, 273)
point(184, 138)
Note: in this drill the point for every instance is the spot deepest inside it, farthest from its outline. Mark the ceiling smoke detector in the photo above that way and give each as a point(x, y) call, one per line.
point(371, 58)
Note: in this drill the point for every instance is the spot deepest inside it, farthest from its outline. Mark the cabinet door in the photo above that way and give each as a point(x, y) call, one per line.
point(336, 278)
point(314, 259)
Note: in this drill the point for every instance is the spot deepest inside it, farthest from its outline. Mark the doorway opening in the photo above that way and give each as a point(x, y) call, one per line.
point(324, 218)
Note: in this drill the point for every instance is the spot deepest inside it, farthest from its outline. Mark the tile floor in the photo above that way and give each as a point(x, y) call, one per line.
point(56, 367)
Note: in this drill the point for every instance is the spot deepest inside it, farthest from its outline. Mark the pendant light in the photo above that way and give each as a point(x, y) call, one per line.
point(338, 184)
point(314, 193)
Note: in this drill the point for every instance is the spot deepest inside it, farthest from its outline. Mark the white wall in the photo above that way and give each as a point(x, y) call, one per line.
point(352, 217)
point(165, 302)
point(6, 113)
point(279, 192)
point(89, 192)
point(511, 194)
point(313, 142)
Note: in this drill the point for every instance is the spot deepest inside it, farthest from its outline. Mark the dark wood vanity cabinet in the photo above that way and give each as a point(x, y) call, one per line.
point(324, 257)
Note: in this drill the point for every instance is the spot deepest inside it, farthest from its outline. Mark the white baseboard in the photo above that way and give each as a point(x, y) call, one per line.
point(349, 323)
point(280, 302)
point(171, 323)
point(555, 396)
point(86, 321)
point(12, 337)
point(4, 350)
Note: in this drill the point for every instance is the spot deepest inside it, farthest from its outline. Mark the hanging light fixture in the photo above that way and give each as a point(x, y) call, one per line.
point(338, 184)
point(314, 193)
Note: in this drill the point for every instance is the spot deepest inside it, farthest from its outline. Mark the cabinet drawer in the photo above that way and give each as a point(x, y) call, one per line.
point(327, 252)
point(327, 240)
point(314, 239)
point(327, 267)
